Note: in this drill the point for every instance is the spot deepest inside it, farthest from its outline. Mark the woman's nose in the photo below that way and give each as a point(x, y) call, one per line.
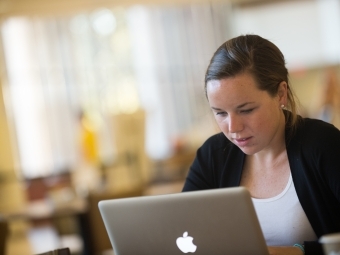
point(235, 124)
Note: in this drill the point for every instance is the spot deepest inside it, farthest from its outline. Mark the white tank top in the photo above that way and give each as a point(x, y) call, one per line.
point(282, 219)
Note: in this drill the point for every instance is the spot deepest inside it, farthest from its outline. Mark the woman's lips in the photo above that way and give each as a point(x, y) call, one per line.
point(242, 141)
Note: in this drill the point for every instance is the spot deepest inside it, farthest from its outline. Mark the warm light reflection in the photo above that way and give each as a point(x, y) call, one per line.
point(127, 100)
point(103, 22)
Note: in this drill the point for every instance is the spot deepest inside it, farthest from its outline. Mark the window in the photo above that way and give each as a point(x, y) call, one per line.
point(104, 62)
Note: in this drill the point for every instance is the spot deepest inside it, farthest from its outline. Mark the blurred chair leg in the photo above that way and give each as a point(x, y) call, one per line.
point(4, 231)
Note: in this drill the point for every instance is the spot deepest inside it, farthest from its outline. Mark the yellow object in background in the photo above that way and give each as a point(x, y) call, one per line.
point(88, 141)
point(89, 144)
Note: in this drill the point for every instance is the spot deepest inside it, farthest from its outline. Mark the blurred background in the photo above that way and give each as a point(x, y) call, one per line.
point(104, 99)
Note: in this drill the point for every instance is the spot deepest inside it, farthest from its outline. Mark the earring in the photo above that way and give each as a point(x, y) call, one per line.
point(282, 106)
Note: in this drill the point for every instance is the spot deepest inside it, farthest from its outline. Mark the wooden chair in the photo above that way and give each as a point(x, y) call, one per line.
point(61, 251)
point(99, 239)
point(4, 231)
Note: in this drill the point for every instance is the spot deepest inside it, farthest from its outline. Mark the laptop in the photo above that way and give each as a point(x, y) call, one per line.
point(217, 221)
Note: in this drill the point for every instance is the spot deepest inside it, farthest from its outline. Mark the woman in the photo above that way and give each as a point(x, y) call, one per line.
point(290, 164)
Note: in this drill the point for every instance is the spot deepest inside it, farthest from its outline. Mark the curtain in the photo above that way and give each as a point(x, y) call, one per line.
point(104, 62)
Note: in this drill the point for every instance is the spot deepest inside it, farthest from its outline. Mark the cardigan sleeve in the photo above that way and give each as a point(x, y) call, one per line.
point(218, 164)
point(320, 175)
point(200, 176)
point(321, 166)
point(328, 160)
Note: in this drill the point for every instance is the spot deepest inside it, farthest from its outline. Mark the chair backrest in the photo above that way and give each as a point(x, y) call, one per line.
point(99, 238)
point(61, 251)
point(4, 231)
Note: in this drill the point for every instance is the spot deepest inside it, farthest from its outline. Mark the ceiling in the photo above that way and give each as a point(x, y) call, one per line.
point(48, 7)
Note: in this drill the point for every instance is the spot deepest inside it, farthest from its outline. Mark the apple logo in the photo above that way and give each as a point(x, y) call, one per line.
point(185, 243)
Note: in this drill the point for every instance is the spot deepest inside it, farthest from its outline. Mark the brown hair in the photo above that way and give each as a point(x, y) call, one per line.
point(259, 57)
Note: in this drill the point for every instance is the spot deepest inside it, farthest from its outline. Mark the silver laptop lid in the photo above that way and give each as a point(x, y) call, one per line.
point(219, 221)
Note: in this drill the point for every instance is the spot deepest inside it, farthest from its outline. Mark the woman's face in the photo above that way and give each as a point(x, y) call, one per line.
point(250, 118)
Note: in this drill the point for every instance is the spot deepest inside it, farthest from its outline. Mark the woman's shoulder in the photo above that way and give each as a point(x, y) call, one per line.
point(317, 131)
point(218, 146)
point(318, 126)
point(216, 142)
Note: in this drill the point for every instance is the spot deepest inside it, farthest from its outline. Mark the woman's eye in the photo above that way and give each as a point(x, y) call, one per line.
point(247, 111)
point(221, 113)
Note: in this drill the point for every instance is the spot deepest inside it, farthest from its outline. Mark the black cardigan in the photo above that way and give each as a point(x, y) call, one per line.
point(313, 151)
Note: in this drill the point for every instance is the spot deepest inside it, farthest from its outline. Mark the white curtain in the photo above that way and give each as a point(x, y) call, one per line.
point(107, 61)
